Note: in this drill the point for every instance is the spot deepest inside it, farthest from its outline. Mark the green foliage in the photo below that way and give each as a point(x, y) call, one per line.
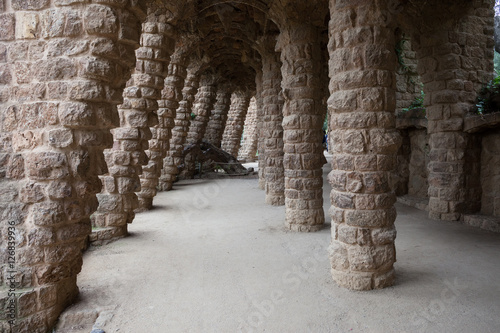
point(488, 98)
point(496, 62)
point(417, 103)
point(193, 115)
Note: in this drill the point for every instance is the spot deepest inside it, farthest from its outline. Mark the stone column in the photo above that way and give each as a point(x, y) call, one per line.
point(273, 130)
point(180, 131)
point(59, 90)
point(218, 118)
point(248, 150)
point(260, 129)
point(301, 64)
point(202, 109)
point(453, 67)
point(159, 144)
point(118, 199)
point(231, 140)
point(364, 144)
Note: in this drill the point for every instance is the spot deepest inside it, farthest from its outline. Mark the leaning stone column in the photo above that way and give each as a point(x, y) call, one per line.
point(301, 64)
point(364, 144)
point(218, 118)
point(180, 131)
point(159, 144)
point(272, 130)
point(248, 150)
point(231, 140)
point(202, 108)
point(118, 199)
point(59, 90)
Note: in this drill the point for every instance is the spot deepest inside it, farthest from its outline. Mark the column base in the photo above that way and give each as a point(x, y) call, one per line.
point(145, 204)
point(275, 200)
point(363, 280)
point(306, 220)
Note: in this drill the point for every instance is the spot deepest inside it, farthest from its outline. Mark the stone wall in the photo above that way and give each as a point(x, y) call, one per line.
point(408, 85)
point(490, 173)
point(419, 159)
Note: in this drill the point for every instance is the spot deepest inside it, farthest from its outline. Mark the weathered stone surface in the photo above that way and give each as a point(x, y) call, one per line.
point(302, 122)
point(231, 140)
point(363, 144)
point(248, 148)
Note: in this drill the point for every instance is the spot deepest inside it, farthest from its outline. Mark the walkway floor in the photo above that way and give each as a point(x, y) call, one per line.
point(212, 257)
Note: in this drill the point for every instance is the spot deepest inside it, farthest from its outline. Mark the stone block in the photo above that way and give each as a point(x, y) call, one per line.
point(60, 138)
point(59, 190)
point(26, 25)
point(47, 165)
point(75, 115)
point(41, 236)
point(46, 214)
point(32, 192)
point(27, 303)
point(29, 4)
point(7, 26)
point(367, 218)
point(100, 20)
point(74, 231)
point(86, 91)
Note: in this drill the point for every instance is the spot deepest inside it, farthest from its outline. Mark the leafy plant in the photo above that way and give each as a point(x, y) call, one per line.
point(193, 115)
point(488, 98)
point(417, 103)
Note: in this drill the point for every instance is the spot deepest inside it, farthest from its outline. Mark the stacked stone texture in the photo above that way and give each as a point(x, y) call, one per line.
point(490, 174)
point(118, 199)
point(203, 105)
point(63, 69)
point(218, 117)
point(364, 144)
point(231, 140)
point(180, 131)
point(408, 85)
point(248, 150)
point(260, 129)
point(159, 144)
point(273, 131)
point(401, 176)
point(302, 123)
point(171, 98)
point(454, 60)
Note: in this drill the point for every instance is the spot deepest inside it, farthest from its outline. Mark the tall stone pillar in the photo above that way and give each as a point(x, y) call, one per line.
point(202, 109)
point(453, 67)
point(203, 105)
point(248, 150)
point(301, 64)
point(272, 104)
point(59, 90)
point(364, 144)
point(180, 131)
point(231, 140)
point(118, 200)
point(218, 118)
point(159, 144)
point(260, 129)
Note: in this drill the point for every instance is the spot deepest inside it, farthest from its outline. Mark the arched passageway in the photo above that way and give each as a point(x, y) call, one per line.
point(100, 99)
